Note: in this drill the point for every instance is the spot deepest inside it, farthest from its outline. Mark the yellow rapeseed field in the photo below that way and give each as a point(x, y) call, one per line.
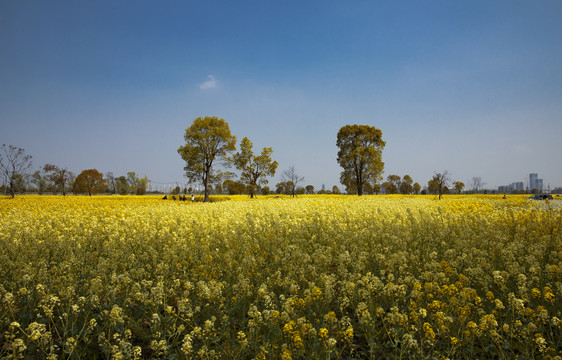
point(330, 277)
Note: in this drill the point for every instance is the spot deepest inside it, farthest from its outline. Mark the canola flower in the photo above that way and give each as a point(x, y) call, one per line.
point(277, 278)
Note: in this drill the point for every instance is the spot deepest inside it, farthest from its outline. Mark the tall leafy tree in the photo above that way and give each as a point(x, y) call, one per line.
point(13, 163)
point(208, 141)
point(360, 156)
point(254, 168)
point(89, 182)
point(61, 177)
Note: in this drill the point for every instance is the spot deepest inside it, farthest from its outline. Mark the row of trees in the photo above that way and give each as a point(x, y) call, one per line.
point(208, 152)
point(14, 164)
point(209, 144)
point(53, 179)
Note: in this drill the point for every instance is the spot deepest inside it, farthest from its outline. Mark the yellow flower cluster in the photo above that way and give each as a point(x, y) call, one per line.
point(279, 278)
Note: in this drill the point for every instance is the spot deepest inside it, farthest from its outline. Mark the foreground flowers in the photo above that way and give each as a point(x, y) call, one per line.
point(332, 277)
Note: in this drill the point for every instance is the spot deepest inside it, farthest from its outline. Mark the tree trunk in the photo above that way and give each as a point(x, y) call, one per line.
point(206, 184)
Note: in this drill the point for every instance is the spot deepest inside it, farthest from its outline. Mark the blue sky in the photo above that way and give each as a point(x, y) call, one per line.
point(472, 87)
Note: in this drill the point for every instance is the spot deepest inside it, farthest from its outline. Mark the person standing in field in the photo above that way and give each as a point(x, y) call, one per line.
point(192, 198)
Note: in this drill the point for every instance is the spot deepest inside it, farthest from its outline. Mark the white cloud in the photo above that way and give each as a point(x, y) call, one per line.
point(209, 84)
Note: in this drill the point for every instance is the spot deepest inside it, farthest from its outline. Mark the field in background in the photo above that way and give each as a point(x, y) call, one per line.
point(311, 277)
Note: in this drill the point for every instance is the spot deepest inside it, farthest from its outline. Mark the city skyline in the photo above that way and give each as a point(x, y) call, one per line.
point(531, 183)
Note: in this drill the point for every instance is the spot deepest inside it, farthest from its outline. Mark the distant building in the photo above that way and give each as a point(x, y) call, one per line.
point(504, 188)
point(535, 182)
point(518, 186)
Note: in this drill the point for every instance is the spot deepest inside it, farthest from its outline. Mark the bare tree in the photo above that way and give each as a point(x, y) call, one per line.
point(476, 184)
point(13, 163)
point(292, 178)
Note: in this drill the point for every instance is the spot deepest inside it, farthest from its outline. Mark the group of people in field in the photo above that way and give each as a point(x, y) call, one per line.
point(180, 198)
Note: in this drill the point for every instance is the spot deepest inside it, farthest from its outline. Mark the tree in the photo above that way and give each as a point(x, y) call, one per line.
point(208, 141)
point(476, 184)
point(458, 185)
point(389, 188)
point(292, 179)
point(265, 190)
point(394, 180)
point(19, 183)
point(40, 181)
point(137, 185)
point(89, 182)
point(438, 184)
point(284, 187)
point(61, 177)
point(122, 185)
point(406, 186)
point(368, 189)
point(142, 185)
point(309, 189)
point(417, 188)
point(13, 162)
point(254, 168)
point(335, 190)
point(233, 187)
point(110, 179)
point(360, 155)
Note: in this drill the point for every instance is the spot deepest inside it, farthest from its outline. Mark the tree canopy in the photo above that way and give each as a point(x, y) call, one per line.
point(360, 156)
point(254, 168)
point(89, 182)
point(207, 141)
